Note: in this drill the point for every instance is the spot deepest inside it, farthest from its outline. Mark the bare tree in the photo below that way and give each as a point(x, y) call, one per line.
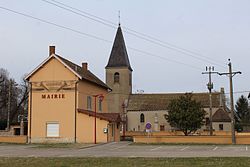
point(18, 98)
point(21, 92)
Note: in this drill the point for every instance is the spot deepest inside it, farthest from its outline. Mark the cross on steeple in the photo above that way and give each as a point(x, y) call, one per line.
point(119, 18)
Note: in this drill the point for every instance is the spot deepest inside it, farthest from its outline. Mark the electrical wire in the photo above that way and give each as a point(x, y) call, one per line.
point(164, 58)
point(135, 33)
point(238, 92)
point(93, 36)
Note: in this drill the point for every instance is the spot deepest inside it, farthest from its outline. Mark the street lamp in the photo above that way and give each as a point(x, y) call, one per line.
point(101, 97)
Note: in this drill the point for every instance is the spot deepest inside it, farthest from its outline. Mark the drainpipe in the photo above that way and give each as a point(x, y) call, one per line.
point(30, 113)
point(75, 108)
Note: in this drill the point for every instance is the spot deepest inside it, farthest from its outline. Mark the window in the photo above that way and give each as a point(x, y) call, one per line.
point(162, 127)
point(52, 129)
point(220, 126)
point(100, 104)
point(89, 102)
point(142, 118)
point(116, 77)
point(207, 122)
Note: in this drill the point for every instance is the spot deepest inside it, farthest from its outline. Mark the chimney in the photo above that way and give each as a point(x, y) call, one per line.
point(222, 97)
point(85, 66)
point(52, 50)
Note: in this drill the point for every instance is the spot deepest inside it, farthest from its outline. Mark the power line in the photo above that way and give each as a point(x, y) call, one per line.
point(164, 58)
point(91, 15)
point(73, 10)
point(57, 25)
point(238, 92)
point(135, 33)
point(93, 36)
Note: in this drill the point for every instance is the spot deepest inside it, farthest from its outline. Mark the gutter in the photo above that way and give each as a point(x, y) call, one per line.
point(30, 112)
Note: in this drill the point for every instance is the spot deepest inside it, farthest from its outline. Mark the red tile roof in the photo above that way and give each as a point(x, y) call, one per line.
point(86, 75)
point(111, 117)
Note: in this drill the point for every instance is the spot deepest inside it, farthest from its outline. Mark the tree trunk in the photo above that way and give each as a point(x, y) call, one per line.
point(185, 132)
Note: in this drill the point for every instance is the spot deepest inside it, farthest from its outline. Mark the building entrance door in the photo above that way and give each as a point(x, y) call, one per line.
point(111, 132)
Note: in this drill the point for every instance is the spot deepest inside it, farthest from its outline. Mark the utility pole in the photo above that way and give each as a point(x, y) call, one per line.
point(9, 106)
point(231, 74)
point(210, 71)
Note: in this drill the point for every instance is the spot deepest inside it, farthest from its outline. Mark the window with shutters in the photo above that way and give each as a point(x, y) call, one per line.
point(52, 129)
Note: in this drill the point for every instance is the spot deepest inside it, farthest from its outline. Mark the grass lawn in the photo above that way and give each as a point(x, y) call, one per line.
point(126, 162)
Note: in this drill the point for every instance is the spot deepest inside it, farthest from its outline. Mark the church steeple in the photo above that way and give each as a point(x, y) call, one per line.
point(119, 56)
point(118, 74)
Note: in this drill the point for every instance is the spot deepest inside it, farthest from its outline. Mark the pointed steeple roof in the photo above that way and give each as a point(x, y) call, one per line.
point(119, 55)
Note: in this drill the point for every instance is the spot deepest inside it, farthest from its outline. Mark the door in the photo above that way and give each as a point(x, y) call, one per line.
point(111, 132)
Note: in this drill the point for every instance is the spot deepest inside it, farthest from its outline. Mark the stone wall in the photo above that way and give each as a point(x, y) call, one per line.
point(240, 139)
point(13, 139)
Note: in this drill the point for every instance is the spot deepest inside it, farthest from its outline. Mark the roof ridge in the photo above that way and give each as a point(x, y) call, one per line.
point(68, 60)
point(89, 76)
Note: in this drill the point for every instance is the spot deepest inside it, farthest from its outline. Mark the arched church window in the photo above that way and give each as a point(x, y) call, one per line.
point(116, 77)
point(142, 118)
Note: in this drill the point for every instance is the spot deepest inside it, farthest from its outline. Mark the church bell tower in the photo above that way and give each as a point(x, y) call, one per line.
point(118, 75)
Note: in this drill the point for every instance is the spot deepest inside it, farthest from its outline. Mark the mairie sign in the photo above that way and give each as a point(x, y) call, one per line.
point(53, 96)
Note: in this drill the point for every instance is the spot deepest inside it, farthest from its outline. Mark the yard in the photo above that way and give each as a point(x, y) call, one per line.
point(126, 162)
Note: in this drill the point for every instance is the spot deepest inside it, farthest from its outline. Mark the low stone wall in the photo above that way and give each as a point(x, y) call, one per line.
point(243, 139)
point(240, 139)
point(177, 133)
point(13, 139)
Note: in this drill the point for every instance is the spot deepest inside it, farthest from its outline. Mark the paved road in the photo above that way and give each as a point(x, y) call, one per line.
point(126, 149)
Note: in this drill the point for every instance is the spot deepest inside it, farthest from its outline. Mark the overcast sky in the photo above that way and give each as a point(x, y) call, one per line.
point(212, 30)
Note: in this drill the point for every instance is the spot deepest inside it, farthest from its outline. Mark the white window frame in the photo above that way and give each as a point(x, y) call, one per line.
point(52, 129)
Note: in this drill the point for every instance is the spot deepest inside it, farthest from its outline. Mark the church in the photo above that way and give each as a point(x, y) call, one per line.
point(139, 109)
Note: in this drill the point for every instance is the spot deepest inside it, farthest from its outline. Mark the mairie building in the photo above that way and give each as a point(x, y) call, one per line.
point(68, 103)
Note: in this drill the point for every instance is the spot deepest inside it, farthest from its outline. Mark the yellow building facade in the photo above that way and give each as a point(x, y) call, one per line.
point(67, 104)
